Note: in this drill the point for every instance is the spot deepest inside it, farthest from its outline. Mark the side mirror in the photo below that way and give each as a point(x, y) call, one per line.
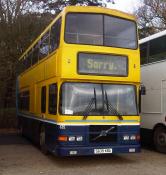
point(142, 90)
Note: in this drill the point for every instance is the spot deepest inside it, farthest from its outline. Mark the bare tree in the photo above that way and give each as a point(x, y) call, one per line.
point(151, 17)
point(21, 21)
point(18, 27)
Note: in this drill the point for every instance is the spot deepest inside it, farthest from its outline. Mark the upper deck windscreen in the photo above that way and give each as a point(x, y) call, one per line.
point(98, 29)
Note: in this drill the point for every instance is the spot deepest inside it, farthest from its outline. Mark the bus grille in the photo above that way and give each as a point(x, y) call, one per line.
point(103, 133)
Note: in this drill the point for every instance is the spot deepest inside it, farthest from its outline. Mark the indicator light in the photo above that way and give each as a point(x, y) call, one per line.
point(138, 137)
point(62, 138)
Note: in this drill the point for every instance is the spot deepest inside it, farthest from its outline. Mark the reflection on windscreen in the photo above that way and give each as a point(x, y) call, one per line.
point(77, 96)
point(97, 29)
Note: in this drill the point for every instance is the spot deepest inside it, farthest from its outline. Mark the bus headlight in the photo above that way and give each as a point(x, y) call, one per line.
point(75, 138)
point(71, 138)
point(132, 137)
point(126, 137)
point(79, 138)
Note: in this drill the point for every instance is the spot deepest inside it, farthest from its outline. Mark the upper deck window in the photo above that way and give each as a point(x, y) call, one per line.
point(153, 50)
point(119, 32)
point(144, 53)
point(157, 49)
point(55, 35)
point(84, 29)
point(98, 29)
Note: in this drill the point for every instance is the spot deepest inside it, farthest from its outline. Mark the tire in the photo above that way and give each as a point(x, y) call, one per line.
point(159, 139)
point(42, 140)
point(21, 130)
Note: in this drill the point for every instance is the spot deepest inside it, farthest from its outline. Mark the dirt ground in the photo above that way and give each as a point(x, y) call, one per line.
point(20, 157)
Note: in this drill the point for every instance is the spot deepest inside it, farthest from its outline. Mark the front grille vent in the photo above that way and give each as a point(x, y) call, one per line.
point(103, 133)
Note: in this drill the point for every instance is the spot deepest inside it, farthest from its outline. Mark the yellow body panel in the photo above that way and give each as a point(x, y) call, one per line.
point(69, 63)
point(61, 66)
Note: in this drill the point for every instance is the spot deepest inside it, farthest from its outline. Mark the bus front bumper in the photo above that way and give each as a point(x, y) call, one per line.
point(96, 150)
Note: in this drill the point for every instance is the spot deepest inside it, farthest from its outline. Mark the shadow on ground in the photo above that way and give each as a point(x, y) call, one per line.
point(12, 139)
point(90, 161)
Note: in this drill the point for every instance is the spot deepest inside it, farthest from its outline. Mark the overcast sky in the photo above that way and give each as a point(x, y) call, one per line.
point(125, 5)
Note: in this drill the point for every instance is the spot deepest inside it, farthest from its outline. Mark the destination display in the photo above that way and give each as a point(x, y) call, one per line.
point(100, 64)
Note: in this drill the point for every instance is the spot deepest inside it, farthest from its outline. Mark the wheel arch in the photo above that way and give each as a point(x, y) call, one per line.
point(159, 125)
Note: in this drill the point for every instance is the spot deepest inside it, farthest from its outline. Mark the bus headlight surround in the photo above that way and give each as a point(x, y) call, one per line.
point(71, 138)
point(133, 137)
point(75, 138)
point(79, 138)
point(126, 137)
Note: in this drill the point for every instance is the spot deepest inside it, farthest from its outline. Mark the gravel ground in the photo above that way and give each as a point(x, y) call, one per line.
point(19, 157)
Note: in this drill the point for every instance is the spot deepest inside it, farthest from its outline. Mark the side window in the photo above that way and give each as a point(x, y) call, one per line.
point(28, 59)
point(24, 101)
point(144, 53)
point(52, 107)
point(24, 64)
point(43, 99)
point(157, 49)
point(35, 54)
point(44, 46)
point(20, 66)
point(55, 35)
point(81, 28)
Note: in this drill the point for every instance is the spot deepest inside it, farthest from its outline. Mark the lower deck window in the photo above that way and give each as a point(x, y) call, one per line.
point(24, 100)
point(43, 99)
point(52, 99)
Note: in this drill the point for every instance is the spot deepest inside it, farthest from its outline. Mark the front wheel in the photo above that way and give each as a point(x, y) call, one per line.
point(21, 129)
point(43, 140)
point(159, 138)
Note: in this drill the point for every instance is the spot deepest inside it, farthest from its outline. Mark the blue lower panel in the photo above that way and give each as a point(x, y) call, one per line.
point(65, 151)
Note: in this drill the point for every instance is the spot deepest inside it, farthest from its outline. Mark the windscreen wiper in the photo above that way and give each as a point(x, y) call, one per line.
point(111, 108)
point(90, 106)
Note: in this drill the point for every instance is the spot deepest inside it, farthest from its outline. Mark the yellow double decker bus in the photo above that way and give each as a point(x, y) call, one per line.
point(79, 87)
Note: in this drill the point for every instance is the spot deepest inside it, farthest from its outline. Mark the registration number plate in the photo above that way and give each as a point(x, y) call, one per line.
point(102, 151)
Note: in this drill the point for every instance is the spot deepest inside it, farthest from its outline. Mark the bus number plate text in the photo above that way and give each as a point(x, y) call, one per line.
point(102, 151)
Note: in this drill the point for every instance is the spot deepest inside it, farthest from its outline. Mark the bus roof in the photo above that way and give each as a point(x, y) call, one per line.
point(81, 9)
point(154, 36)
point(95, 9)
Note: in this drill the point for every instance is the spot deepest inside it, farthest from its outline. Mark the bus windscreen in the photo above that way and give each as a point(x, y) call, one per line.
point(76, 97)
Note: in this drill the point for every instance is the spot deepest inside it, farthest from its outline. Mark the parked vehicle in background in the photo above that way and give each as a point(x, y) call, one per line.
point(78, 91)
point(153, 77)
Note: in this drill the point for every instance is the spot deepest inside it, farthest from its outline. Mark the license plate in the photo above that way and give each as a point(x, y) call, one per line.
point(102, 151)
